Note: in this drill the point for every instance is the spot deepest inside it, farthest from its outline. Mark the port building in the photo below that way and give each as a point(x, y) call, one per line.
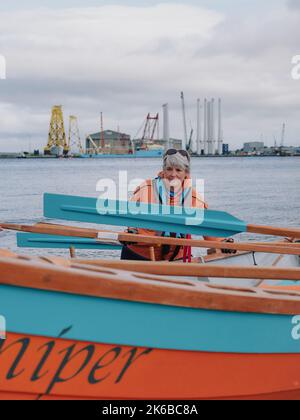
point(254, 147)
point(109, 142)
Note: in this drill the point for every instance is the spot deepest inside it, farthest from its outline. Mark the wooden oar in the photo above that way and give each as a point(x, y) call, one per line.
point(52, 229)
point(106, 237)
point(64, 230)
point(150, 216)
point(126, 237)
point(274, 231)
point(197, 270)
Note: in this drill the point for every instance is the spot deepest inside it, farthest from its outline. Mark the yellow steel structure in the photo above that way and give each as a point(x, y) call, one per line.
point(74, 135)
point(57, 135)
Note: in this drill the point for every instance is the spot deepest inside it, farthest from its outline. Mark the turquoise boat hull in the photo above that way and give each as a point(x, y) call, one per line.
point(109, 321)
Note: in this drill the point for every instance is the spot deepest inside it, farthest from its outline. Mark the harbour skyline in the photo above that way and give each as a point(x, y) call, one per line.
point(75, 56)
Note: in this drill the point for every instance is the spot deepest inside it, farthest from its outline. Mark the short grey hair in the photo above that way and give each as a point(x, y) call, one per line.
point(177, 161)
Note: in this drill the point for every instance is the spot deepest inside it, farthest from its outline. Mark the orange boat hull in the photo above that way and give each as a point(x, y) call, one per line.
point(43, 368)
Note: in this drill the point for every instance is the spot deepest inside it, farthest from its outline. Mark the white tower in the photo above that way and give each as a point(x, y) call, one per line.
point(205, 127)
point(209, 128)
point(166, 128)
point(185, 137)
point(213, 129)
point(220, 130)
point(283, 135)
point(200, 145)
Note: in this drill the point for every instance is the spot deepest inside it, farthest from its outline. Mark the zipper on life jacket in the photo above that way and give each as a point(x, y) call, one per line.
point(166, 248)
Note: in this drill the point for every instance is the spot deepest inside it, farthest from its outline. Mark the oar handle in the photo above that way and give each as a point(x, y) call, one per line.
point(274, 231)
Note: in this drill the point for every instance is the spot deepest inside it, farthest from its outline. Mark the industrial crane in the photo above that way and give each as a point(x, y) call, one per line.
point(74, 135)
point(151, 129)
point(57, 142)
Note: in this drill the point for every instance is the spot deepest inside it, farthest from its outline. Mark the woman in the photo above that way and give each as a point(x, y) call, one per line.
point(172, 187)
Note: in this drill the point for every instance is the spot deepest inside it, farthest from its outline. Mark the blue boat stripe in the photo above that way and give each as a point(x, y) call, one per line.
point(108, 321)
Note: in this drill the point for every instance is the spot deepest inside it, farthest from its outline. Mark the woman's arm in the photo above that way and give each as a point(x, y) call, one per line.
point(200, 204)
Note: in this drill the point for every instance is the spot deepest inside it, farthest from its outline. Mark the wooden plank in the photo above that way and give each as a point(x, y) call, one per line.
point(198, 270)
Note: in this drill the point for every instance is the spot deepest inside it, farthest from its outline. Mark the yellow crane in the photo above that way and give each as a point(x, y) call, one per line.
point(57, 142)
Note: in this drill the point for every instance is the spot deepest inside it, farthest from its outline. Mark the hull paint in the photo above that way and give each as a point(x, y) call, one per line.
point(46, 368)
point(102, 320)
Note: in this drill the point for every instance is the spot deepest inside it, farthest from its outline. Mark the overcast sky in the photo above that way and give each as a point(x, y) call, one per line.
point(126, 58)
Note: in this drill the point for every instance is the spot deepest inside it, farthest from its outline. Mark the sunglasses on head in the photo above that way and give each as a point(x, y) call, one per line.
point(183, 153)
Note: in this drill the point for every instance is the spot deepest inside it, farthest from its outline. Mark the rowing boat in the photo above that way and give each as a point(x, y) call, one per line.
point(112, 329)
point(97, 333)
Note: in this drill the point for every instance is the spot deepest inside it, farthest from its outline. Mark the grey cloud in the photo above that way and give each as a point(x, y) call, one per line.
point(246, 60)
point(293, 4)
point(254, 38)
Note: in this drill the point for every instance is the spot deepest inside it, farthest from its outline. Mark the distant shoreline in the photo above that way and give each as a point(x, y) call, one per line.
point(18, 157)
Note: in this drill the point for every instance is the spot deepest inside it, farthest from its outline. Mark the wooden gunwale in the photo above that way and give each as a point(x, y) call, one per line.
point(116, 284)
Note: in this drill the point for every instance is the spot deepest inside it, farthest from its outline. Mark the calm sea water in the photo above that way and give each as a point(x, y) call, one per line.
point(257, 190)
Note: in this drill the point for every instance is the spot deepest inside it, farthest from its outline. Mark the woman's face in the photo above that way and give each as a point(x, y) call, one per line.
point(174, 174)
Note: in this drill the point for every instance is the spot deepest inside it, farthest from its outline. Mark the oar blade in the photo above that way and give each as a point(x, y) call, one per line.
point(148, 216)
point(32, 240)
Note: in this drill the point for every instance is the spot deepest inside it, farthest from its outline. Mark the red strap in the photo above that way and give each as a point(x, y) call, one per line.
point(184, 254)
point(187, 252)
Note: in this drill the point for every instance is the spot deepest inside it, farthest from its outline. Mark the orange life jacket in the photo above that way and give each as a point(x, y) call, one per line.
point(149, 192)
